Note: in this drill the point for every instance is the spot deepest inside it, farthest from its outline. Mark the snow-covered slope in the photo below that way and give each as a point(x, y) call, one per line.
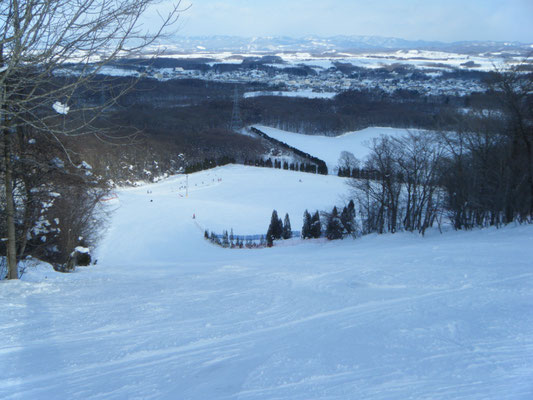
point(165, 315)
point(235, 197)
point(329, 148)
point(300, 93)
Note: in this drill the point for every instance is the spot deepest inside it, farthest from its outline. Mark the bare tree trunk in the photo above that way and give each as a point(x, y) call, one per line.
point(12, 270)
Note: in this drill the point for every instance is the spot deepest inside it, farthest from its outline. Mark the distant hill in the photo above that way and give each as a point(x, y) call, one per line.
point(335, 44)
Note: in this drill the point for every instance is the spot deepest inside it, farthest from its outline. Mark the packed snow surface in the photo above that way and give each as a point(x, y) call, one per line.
point(329, 148)
point(166, 315)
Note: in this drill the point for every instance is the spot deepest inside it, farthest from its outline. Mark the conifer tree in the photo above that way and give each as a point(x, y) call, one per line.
point(225, 239)
point(348, 218)
point(316, 228)
point(334, 226)
point(306, 228)
point(287, 231)
point(276, 226)
point(269, 240)
point(351, 207)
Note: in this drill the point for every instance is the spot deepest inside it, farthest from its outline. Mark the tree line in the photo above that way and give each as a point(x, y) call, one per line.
point(471, 178)
point(321, 166)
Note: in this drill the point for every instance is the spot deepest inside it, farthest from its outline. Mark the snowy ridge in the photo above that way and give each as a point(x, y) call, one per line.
point(331, 44)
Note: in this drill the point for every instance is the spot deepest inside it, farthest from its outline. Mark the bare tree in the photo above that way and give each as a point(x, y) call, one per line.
point(514, 90)
point(419, 159)
point(347, 163)
point(50, 50)
point(487, 172)
point(400, 187)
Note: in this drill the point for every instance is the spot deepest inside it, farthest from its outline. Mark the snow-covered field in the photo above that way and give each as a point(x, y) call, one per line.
point(166, 315)
point(418, 58)
point(299, 93)
point(329, 148)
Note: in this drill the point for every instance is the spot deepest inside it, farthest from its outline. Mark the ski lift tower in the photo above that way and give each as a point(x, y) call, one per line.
point(236, 121)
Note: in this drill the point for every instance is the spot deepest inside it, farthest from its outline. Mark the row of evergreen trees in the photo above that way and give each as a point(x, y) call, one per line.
point(360, 173)
point(293, 166)
point(321, 164)
point(229, 240)
point(336, 225)
point(209, 163)
point(278, 229)
point(332, 225)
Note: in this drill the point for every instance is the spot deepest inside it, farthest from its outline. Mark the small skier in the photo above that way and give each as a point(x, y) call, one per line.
point(194, 216)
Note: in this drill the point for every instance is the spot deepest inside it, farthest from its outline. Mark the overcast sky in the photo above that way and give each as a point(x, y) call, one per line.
point(443, 20)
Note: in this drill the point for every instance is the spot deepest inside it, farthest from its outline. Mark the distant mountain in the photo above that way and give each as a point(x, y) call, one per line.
point(317, 44)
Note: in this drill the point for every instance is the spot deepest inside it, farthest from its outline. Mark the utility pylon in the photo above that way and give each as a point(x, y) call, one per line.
point(236, 122)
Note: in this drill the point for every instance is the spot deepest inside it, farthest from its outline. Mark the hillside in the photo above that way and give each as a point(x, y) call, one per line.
point(166, 315)
point(329, 148)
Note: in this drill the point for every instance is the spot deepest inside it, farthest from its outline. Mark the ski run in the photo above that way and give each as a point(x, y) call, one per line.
point(167, 315)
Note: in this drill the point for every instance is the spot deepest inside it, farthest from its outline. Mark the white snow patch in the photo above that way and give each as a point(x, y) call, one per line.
point(80, 249)
point(60, 108)
point(85, 165)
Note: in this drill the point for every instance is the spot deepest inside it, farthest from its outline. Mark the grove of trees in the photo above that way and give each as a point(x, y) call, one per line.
point(474, 177)
point(50, 53)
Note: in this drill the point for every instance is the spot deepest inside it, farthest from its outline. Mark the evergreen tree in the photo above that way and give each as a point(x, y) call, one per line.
point(269, 240)
point(287, 231)
point(316, 228)
point(348, 218)
point(351, 207)
point(215, 239)
point(334, 225)
point(225, 239)
point(276, 226)
point(306, 228)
